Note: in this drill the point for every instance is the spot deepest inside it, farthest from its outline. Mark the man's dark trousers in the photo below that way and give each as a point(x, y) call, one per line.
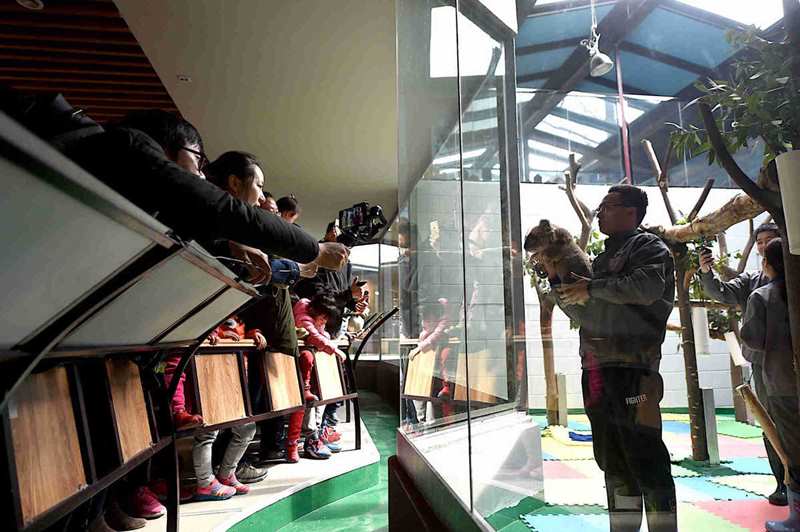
point(622, 406)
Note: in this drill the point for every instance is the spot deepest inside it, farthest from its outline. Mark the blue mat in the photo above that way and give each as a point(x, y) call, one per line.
point(750, 465)
point(579, 425)
point(715, 491)
point(567, 523)
point(677, 427)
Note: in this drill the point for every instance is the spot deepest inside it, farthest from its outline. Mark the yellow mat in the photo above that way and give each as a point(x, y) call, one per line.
point(762, 485)
point(566, 452)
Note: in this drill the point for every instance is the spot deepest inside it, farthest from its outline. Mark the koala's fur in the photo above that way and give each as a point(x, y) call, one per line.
point(554, 245)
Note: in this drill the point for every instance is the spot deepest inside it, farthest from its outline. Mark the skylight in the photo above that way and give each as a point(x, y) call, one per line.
point(762, 13)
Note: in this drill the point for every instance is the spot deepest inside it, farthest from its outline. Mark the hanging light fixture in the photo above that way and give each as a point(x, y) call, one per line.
point(599, 63)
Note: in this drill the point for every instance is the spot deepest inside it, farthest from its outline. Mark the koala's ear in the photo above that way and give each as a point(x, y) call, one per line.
point(528, 245)
point(544, 224)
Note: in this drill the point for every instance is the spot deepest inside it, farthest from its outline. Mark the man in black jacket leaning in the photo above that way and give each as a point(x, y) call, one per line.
point(623, 312)
point(139, 160)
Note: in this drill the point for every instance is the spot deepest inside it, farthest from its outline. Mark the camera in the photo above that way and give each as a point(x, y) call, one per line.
point(360, 224)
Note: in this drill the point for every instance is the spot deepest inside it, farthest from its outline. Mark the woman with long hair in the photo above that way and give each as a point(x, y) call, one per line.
point(765, 328)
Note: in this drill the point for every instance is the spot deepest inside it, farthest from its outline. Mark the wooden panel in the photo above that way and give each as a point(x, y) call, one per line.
point(130, 411)
point(484, 387)
point(419, 376)
point(46, 447)
point(328, 376)
point(284, 387)
point(220, 388)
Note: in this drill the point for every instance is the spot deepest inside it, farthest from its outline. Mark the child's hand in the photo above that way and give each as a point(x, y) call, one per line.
point(340, 354)
point(261, 342)
point(213, 339)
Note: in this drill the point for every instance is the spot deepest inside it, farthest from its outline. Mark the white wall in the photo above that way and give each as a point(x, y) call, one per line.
point(548, 201)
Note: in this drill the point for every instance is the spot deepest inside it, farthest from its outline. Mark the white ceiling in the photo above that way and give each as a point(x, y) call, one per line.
point(307, 85)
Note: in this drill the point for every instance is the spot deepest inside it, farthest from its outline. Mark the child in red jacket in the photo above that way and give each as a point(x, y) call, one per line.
point(312, 315)
point(231, 329)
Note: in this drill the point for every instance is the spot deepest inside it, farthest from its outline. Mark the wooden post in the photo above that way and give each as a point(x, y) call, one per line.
point(710, 414)
point(561, 380)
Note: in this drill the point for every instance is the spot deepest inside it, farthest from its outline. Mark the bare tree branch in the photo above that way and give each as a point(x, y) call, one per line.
point(739, 208)
point(571, 177)
point(701, 200)
point(662, 177)
point(748, 248)
point(728, 273)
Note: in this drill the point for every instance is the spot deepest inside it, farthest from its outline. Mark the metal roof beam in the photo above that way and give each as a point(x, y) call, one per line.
point(667, 59)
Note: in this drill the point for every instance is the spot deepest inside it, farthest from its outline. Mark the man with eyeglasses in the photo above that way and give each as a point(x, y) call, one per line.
point(623, 311)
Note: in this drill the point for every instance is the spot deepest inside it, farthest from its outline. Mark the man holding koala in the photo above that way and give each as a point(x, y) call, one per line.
point(622, 311)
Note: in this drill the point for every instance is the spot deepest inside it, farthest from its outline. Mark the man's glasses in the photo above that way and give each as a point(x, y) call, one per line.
point(607, 206)
point(202, 161)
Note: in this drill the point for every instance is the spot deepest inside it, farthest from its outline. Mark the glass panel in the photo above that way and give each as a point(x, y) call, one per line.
point(502, 473)
point(430, 233)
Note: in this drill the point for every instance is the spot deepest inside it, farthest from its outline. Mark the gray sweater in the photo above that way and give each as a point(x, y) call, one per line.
point(765, 330)
point(736, 292)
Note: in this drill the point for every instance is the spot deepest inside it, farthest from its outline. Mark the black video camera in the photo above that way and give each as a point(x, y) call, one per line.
point(360, 224)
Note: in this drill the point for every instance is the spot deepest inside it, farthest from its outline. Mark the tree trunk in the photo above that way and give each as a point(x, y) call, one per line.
point(792, 268)
point(546, 306)
point(738, 209)
point(694, 396)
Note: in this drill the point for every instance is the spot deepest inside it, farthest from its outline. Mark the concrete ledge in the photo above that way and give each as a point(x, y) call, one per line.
point(289, 492)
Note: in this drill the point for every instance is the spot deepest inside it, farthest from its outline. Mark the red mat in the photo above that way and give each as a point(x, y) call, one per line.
point(749, 513)
point(555, 469)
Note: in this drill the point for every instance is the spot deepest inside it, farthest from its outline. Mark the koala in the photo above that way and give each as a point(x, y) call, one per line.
point(555, 246)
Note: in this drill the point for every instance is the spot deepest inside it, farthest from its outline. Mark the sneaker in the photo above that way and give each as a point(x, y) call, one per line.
point(314, 448)
point(233, 482)
point(117, 519)
point(159, 489)
point(332, 435)
point(292, 456)
point(184, 420)
point(214, 492)
point(143, 503)
point(333, 447)
point(248, 473)
point(778, 497)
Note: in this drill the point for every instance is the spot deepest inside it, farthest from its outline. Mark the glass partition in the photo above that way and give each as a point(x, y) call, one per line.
point(462, 376)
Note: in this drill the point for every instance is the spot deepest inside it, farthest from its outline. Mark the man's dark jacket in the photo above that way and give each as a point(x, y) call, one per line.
point(632, 296)
point(136, 166)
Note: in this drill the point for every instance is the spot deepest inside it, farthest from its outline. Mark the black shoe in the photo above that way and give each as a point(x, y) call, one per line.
point(271, 455)
point(778, 497)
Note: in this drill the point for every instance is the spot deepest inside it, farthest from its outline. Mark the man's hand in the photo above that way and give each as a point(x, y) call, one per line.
point(308, 270)
point(361, 306)
point(706, 261)
point(576, 293)
point(256, 262)
point(357, 289)
point(332, 255)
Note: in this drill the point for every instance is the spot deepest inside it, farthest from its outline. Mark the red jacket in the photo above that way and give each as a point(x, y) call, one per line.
point(316, 337)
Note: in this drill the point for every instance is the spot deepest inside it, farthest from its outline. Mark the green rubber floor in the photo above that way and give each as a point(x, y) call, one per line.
point(366, 510)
